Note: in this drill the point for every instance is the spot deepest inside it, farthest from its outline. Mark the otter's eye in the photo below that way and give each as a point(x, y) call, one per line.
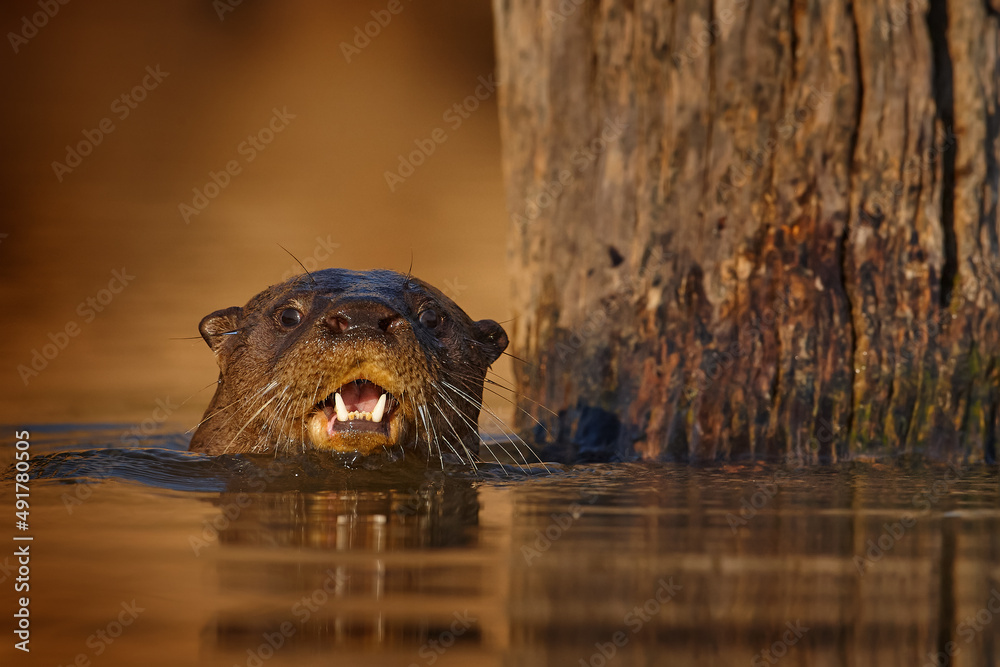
point(430, 318)
point(290, 317)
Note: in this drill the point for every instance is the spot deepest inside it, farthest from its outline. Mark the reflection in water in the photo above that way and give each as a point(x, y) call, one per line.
point(303, 563)
point(338, 596)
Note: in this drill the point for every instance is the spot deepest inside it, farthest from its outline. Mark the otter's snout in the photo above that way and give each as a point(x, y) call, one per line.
point(345, 361)
point(363, 315)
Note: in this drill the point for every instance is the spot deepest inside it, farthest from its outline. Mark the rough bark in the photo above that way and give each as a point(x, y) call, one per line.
point(760, 228)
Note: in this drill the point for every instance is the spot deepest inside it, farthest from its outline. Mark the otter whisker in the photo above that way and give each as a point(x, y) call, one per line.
point(507, 385)
point(516, 358)
point(480, 405)
point(282, 422)
point(378, 344)
point(490, 380)
point(440, 439)
point(269, 418)
point(311, 279)
point(252, 417)
point(418, 416)
point(433, 440)
point(507, 433)
point(518, 407)
point(229, 405)
point(521, 410)
point(314, 401)
point(247, 403)
point(416, 422)
point(204, 417)
point(444, 415)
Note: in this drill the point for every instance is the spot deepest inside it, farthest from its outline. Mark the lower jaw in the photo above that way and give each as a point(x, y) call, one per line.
point(347, 441)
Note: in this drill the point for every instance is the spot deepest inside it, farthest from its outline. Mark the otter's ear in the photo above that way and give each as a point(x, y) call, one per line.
point(214, 328)
point(493, 338)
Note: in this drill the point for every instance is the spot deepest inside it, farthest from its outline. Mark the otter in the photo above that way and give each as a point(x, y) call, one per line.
point(354, 362)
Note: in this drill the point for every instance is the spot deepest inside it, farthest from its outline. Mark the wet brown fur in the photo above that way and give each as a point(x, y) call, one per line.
point(272, 376)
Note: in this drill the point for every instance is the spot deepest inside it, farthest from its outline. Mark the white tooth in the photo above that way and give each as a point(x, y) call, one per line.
point(341, 408)
point(379, 409)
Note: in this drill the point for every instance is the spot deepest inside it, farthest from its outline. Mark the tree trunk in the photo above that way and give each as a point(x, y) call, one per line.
point(754, 228)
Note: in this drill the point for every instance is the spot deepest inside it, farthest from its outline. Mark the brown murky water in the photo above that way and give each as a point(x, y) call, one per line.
point(145, 555)
point(92, 346)
point(181, 559)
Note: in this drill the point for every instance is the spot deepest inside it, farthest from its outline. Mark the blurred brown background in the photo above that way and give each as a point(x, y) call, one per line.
point(320, 181)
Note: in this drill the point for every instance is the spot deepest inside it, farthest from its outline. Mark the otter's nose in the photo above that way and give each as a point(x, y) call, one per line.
point(361, 315)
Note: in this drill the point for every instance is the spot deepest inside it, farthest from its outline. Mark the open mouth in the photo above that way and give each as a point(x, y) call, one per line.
point(356, 417)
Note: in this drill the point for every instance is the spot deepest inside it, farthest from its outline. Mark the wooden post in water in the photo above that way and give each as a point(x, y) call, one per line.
point(763, 228)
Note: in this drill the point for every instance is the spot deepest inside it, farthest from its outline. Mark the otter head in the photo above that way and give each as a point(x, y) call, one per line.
point(347, 361)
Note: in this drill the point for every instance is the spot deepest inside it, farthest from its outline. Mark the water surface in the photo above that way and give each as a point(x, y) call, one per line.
point(241, 561)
